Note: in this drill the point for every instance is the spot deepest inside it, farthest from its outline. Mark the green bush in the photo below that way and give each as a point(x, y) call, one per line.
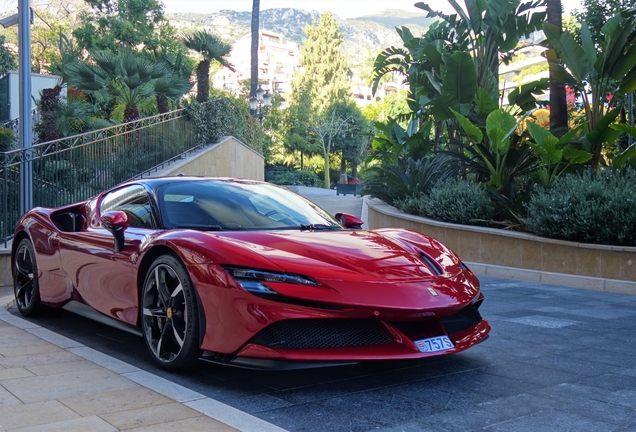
point(298, 178)
point(456, 201)
point(7, 139)
point(459, 201)
point(220, 117)
point(408, 179)
point(591, 209)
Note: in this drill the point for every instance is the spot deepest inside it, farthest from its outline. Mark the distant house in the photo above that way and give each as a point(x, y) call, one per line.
point(278, 60)
point(10, 93)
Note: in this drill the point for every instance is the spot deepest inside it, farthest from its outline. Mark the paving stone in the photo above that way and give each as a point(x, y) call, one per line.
point(195, 424)
point(150, 415)
point(57, 368)
point(93, 424)
point(66, 385)
point(7, 399)
point(39, 413)
point(12, 373)
point(114, 401)
point(550, 421)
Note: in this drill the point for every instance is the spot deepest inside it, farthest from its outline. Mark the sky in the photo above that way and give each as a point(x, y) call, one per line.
point(342, 8)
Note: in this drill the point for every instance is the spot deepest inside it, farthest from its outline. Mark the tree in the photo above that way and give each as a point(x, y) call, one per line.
point(176, 83)
point(61, 64)
point(354, 140)
point(114, 24)
point(324, 64)
point(297, 123)
point(327, 125)
point(128, 78)
point(212, 48)
point(7, 59)
point(558, 105)
point(256, 5)
point(595, 14)
point(595, 74)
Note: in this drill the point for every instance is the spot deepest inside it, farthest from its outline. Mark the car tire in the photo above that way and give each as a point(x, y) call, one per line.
point(169, 315)
point(26, 286)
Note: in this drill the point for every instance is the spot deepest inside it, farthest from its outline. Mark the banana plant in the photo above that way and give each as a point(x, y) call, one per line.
point(392, 143)
point(495, 146)
point(596, 74)
point(552, 151)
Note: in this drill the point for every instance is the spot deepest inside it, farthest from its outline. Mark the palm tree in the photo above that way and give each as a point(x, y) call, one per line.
point(211, 47)
point(50, 98)
point(256, 6)
point(175, 84)
point(558, 105)
point(125, 76)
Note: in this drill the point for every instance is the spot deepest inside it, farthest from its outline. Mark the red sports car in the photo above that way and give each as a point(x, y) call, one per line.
point(245, 273)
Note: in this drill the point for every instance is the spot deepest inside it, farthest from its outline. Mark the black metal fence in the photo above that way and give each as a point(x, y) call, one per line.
point(79, 167)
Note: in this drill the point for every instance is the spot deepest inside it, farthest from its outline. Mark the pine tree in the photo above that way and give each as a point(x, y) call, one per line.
point(324, 64)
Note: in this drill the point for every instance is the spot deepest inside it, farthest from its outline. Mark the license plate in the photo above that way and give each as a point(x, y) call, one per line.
point(434, 344)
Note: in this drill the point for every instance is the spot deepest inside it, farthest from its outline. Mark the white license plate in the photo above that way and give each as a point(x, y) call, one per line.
point(434, 344)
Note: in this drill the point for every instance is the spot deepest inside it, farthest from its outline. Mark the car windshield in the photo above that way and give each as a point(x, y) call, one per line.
point(229, 205)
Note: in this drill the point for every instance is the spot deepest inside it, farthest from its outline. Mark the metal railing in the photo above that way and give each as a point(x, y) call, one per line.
point(79, 167)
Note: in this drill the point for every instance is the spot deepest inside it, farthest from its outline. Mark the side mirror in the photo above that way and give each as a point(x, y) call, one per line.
point(116, 222)
point(349, 221)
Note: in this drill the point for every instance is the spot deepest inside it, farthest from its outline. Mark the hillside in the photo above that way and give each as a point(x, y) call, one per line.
point(364, 36)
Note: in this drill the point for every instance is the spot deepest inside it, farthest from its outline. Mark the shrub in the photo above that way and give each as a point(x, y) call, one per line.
point(7, 139)
point(413, 205)
point(298, 178)
point(459, 201)
point(408, 179)
point(592, 209)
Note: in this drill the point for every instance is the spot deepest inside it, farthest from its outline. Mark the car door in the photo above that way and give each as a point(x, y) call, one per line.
point(102, 278)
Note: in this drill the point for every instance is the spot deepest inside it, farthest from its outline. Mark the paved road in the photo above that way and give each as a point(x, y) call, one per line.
point(558, 359)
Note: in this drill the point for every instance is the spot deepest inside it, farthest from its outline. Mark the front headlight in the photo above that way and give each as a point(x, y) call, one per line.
point(252, 280)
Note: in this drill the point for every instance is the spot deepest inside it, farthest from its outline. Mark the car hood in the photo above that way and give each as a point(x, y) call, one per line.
point(341, 255)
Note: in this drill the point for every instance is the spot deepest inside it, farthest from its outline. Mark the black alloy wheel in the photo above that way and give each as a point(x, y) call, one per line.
point(169, 315)
point(25, 279)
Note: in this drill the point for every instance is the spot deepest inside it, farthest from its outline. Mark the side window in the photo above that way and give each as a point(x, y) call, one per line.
point(132, 200)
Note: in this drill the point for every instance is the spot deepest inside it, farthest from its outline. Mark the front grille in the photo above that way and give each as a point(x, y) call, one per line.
point(322, 333)
point(466, 318)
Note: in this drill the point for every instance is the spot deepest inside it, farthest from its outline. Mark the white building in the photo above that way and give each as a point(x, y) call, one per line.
point(278, 60)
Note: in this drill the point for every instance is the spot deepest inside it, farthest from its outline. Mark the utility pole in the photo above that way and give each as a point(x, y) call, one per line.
point(26, 130)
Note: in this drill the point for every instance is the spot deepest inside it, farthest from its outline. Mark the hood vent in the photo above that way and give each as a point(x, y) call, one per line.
point(433, 266)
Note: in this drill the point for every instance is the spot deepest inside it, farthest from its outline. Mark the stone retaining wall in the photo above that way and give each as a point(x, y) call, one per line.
point(522, 256)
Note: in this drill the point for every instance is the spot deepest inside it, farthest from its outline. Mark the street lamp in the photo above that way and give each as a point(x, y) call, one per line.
point(260, 103)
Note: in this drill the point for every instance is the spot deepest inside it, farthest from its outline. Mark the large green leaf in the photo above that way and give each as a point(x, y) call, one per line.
point(569, 51)
point(628, 83)
point(576, 156)
point(475, 9)
point(603, 132)
point(617, 32)
point(484, 103)
point(588, 45)
point(538, 133)
point(624, 127)
point(499, 126)
point(524, 96)
point(557, 70)
point(473, 132)
point(565, 139)
point(626, 158)
point(459, 77)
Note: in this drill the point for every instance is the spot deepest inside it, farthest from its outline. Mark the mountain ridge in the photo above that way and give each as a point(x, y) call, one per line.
point(364, 36)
